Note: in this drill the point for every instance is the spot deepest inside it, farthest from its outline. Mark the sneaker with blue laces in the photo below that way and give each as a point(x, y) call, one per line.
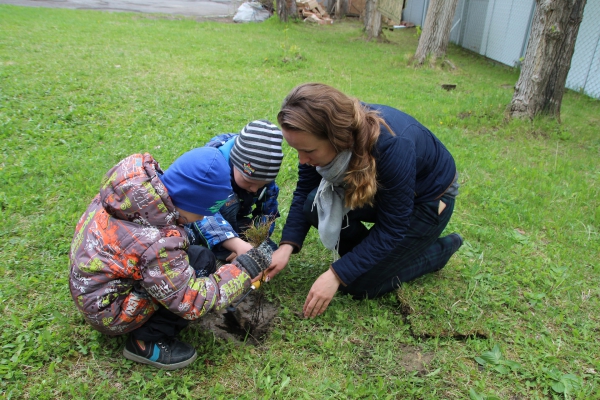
point(167, 354)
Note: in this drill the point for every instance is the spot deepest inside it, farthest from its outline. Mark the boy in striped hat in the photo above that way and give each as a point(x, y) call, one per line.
point(254, 156)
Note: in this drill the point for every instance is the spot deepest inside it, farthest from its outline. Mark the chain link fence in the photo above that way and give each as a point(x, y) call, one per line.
point(499, 29)
point(584, 75)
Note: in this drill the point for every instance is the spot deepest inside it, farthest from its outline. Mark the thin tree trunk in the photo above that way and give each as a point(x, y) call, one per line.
point(541, 84)
point(282, 10)
point(286, 9)
point(436, 32)
point(372, 20)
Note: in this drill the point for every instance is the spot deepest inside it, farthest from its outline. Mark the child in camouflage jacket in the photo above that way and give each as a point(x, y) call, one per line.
point(131, 267)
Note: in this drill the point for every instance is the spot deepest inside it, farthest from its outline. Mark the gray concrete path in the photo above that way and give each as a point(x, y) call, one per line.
point(194, 8)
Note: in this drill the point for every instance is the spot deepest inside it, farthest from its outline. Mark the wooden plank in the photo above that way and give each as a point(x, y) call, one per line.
point(356, 7)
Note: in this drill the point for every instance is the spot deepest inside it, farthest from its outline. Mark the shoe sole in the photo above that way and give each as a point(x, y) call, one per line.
point(134, 357)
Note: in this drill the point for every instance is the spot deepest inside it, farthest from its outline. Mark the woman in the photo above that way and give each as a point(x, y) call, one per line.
point(365, 163)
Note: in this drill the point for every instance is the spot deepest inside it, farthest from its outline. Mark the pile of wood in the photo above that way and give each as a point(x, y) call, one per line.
point(312, 11)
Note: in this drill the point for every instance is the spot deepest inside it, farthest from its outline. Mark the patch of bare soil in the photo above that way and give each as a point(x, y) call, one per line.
point(250, 323)
point(408, 359)
point(412, 359)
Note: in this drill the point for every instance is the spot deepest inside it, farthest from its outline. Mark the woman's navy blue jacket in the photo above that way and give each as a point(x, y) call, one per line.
point(413, 166)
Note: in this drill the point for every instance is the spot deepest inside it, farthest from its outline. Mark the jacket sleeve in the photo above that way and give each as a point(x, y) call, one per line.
point(168, 277)
point(219, 140)
point(396, 176)
point(215, 229)
point(268, 207)
point(296, 226)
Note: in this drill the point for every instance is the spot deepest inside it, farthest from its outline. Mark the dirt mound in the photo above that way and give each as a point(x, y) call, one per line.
point(251, 322)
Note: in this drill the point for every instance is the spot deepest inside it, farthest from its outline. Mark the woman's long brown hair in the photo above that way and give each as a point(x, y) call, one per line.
point(327, 113)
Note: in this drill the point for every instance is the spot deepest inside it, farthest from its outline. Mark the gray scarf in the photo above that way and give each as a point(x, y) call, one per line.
point(330, 200)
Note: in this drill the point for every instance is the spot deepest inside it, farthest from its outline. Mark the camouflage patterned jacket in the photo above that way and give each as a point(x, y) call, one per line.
point(127, 255)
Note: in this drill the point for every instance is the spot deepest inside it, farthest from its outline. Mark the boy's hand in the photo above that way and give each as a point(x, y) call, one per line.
point(237, 245)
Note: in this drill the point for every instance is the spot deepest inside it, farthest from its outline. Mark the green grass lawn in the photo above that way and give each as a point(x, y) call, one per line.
point(514, 315)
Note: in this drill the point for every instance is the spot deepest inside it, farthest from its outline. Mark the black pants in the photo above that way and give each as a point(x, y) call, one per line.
point(421, 251)
point(163, 324)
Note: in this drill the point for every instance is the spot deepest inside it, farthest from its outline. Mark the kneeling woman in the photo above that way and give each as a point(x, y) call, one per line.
point(365, 163)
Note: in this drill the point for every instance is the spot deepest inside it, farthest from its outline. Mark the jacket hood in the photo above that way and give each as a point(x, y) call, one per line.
point(132, 191)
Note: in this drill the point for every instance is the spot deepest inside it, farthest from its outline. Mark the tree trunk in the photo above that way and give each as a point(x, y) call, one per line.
point(436, 32)
point(286, 9)
point(338, 9)
point(541, 84)
point(282, 10)
point(372, 20)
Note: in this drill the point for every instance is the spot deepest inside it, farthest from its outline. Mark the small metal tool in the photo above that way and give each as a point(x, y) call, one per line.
point(254, 286)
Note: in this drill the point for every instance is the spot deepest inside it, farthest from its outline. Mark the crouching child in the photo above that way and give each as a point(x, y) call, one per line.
point(132, 270)
point(254, 158)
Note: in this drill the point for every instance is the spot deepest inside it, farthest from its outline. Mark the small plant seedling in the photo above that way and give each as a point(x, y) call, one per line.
point(495, 360)
point(258, 232)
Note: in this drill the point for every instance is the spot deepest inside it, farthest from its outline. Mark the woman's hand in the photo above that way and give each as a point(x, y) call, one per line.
point(320, 295)
point(258, 277)
point(279, 260)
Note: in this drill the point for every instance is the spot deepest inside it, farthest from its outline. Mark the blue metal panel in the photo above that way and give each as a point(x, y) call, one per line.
point(508, 26)
point(415, 11)
point(474, 20)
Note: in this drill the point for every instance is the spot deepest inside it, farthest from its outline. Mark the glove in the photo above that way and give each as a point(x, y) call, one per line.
point(256, 260)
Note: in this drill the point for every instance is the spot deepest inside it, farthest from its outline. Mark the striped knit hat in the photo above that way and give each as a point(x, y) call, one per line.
point(257, 151)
